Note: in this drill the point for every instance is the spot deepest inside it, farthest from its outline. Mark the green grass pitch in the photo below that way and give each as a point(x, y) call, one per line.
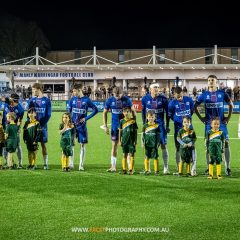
point(52, 204)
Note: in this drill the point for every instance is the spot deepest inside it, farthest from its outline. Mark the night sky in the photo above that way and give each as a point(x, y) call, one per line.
point(132, 24)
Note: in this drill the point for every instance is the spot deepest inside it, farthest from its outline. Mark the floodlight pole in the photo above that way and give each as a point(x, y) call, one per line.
point(215, 55)
point(154, 55)
point(37, 56)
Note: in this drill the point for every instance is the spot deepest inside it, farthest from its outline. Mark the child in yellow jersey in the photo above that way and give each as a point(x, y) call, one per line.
point(215, 145)
point(128, 139)
point(186, 137)
point(151, 142)
point(2, 141)
point(31, 137)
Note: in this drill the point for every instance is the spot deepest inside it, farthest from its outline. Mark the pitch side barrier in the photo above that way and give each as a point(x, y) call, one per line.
point(61, 106)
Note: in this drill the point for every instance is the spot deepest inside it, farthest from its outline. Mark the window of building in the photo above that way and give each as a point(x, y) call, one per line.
point(59, 88)
point(121, 56)
point(209, 59)
point(162, 55)
point(234, 55)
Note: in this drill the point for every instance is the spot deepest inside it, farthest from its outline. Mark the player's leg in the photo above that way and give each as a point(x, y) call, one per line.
point(124, 160)
point(154, 155)
point(1, 156)
point(163, 141)
point(207, 128)
point(44, 147)
point(177, 152)
point(82, 135)
point(131, 154)
point(114, 137)
point(194, 162)
point(19, 153)
point(227, 153)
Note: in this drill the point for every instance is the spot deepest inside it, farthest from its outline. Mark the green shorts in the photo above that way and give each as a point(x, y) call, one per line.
point(129, 149)
point(151, 152)
point(186, 154)
point(67, 151)
point(11, 145)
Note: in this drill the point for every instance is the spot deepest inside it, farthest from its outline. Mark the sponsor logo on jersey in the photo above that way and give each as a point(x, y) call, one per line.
point(40, 110)
point(160, 110)
point(183, 113)
point(117, 111)
point(79, 110)
point(214, 105)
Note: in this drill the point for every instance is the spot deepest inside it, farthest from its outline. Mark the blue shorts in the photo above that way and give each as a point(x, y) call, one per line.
point(114, 134)
point(223, 128)
point(163, 134)
point(82, 135)
point(44, 133)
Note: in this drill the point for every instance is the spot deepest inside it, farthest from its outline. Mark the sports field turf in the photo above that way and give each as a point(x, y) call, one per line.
point(54, 204)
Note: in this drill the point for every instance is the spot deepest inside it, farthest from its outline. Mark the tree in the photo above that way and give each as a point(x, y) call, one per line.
point(19, 38)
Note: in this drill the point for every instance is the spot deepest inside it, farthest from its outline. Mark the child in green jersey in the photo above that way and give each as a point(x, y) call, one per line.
point(128, 139)
point(151, 142)
point(186, 137)
point(31, 137)
point(215, 144)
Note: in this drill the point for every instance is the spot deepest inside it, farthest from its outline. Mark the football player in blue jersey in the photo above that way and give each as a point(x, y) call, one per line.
point(12, 105)
point(178, 108)
point(43, 108)
point(78, 106)
point(158, 103)
point(213, 100)
point(115, 104)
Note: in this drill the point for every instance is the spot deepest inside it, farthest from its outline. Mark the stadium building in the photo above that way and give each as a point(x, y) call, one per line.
point(133, 69)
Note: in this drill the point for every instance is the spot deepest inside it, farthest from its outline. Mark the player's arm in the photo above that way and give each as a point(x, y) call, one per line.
point(48, 112)
point(230, 110)
point(207, 142)
point(6, 132)
point(167, 117)
point(105, 113)
point(135, 133)
point(179, 139)
point(94, 110)
point(143, 111)
point(197, 103)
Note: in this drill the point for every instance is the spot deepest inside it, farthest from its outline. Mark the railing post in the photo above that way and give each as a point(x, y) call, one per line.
point(37, 56)
point(154, 55)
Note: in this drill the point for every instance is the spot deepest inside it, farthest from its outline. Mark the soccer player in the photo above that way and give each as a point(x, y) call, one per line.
point(186, 137)
point(2, 142)
point(159, 104)
point(66, 131)
point(11, 136)
point(215, 146)
point(78, 106)
point(115, 104)
point(181, 106)
point(12, 105)
point(128, 139)
point(43, 108)
point(31, 136)
point(213, 100)
point(151, 142)
point(71, 158)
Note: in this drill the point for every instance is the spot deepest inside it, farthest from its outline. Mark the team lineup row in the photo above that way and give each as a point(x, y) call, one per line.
point(122, 126)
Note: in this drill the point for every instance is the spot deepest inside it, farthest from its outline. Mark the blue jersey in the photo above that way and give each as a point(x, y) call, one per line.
point(116, 106)
point(43, 109)
point(18, 109)
point(213, 104)
point(79, 108)
point(179, 109)
point(158, 104)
